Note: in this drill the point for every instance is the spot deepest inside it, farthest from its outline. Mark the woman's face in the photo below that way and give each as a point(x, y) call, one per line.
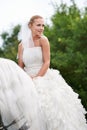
point(37, 27)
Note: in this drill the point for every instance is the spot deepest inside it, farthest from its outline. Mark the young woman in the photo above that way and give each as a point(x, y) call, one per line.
point(60, 104)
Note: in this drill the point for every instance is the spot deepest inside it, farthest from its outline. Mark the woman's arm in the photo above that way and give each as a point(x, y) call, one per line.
point(20, 52)
point(46, 55)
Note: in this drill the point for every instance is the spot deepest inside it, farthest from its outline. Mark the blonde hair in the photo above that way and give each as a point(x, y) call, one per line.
point(31, 21)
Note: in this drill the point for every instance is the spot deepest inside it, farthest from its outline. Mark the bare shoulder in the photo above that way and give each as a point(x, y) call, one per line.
point(44, 40)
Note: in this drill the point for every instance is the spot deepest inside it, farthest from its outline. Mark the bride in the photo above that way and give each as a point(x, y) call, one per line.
point(33, 96)
point(60, 104)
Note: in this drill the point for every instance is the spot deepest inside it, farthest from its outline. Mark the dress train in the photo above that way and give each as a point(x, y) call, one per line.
point(19, 106)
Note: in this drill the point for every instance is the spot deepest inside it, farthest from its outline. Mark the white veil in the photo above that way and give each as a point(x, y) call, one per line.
point(25, 35)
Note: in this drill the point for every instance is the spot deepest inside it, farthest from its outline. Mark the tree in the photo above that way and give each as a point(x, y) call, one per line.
point(10, 44)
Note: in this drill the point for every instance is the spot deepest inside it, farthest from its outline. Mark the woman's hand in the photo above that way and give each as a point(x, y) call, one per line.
point(33, 77)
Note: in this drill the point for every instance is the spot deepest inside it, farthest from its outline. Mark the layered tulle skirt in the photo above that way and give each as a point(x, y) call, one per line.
point(62, 107)
point(19, 106)
point(42, 103)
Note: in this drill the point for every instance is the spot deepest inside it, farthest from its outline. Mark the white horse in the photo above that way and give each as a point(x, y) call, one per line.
point(19, 104)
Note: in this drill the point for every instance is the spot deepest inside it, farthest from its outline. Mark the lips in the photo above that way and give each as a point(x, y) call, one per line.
point(40, 31)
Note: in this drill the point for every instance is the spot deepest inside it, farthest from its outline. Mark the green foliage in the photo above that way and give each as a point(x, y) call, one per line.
point(10, 44)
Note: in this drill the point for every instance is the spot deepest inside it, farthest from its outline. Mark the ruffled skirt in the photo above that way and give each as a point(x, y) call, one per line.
point(44, 103)
point(63, 110)
point(19, 102)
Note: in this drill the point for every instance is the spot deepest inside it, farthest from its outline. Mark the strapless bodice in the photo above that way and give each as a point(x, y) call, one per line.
point(33, 60)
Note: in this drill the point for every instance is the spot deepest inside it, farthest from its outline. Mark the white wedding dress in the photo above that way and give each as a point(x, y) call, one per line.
point(44, 103)
point(19, 102)
point(60, 104)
